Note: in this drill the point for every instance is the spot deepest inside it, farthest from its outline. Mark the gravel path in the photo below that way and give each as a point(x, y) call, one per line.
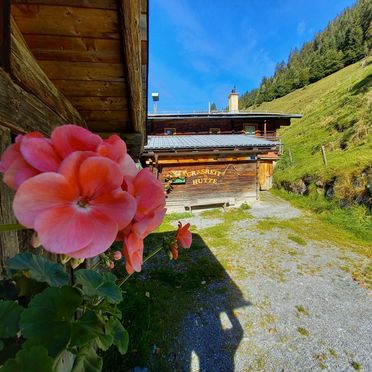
point(283, 306)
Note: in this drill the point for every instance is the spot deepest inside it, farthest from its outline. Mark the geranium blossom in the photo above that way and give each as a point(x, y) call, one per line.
point(79, 210)
point(150, 198)
point(184, 237)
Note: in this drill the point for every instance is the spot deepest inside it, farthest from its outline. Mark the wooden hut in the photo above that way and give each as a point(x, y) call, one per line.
point(214, 157)
point(71, 61)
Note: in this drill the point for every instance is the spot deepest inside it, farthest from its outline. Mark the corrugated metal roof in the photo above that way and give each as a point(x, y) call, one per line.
point(216, 141)
point(223, 115)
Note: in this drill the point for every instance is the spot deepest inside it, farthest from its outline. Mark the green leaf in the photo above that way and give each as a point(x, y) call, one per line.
point(49, 316)
point(10, 313)
point(38, 268)
point(88, 361)
point(99, 284)
point(119, 333)
point(104, 341)
point(33, 359)
point(86, 329)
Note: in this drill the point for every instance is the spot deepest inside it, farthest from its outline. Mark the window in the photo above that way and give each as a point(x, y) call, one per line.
point(214, 130)
point(169, 131)
point(250, 130)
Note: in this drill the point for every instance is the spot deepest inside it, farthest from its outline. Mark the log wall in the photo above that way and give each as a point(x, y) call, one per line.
point(218, 180)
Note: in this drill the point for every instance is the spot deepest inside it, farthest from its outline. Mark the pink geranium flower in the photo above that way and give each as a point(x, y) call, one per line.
point(150, 198)
point(79, 210)
point(13, 164)
point(184, 236)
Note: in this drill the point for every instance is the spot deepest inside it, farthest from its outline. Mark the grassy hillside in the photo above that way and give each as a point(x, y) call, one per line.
point(337, 114)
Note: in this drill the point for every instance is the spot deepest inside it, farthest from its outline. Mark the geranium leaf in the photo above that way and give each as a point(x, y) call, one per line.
point(119, 333)
point(38, 268)
point(35, 358)
point(10, 313)
point(96, 284)
point(86, 329)
point(49, 316)
point(104, 341)
point(88, 361)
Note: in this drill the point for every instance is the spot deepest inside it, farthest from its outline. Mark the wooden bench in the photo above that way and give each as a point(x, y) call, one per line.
point(209, 201)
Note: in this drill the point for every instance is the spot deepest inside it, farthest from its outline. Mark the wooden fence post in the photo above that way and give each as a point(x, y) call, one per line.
point(324, 156)
point(290, 156)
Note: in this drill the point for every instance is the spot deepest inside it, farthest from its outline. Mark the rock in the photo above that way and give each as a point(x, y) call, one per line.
point(319, 183)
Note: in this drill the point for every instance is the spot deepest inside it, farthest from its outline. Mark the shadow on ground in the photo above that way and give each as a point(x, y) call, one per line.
point(169, 296)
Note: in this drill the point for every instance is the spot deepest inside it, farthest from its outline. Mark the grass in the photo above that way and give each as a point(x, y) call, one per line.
point(337, 114)
point(297, 239)
point(353, 222)
point(303, 331)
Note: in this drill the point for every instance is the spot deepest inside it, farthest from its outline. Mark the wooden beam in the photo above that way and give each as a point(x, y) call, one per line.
point(66, 21)
point(5, 35)
point(83, 70)
point(22, 112)
point(101, 103)
point(130, 11)
point(33, 79)
point(75, 49)
point(97, 4)
point(84, 88)
point(8, 241)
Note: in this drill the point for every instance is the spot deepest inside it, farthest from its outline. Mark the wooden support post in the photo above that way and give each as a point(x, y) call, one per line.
point(290, 156)
point(324, 156)
point(265, 128)
point(8, 240)
point(257, 180)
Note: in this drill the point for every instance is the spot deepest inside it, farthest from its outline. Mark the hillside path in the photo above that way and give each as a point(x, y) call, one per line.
point(287, 302)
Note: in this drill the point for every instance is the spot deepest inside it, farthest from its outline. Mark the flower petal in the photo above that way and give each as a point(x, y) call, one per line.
point(40, 193)
point(9, 156)
point(99, 176)
point(113, 147)
point(105, 230)
point(148, 192)
point(69, 138)
point(119, 205)
point(70, 167)
point(128, 166)
point(65, 229)
point(148, 224)
point(133, 252)
point(40, 154)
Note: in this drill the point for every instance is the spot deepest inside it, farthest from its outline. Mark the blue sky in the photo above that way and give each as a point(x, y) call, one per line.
point(200, 49)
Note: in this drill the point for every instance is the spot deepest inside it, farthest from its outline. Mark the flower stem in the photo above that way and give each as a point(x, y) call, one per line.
point(152, 254)
point(11, 227)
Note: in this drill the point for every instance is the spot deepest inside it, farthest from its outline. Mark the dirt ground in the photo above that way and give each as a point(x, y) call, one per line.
point(288, 300)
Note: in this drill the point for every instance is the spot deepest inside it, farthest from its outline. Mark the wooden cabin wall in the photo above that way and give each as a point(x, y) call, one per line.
point(226, 126)
point(29, 101)
point(222, 180)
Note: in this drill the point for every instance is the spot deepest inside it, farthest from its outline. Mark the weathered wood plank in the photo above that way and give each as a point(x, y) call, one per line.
point(9, 240)
point(108, 126)
point(83, 71)
point(22, 111)
point(5, 35)
point(66, 21)
point(105, 116)
point(98, 4)
point(76, 49)
point(101, 103)
point(83, 88)
point(32, 78)
point(130, 11)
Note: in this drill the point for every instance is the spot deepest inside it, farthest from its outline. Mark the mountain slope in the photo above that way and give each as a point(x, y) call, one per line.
point(338, 115)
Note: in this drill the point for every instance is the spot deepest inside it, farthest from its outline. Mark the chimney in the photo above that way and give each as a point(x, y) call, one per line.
point(233, 101)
